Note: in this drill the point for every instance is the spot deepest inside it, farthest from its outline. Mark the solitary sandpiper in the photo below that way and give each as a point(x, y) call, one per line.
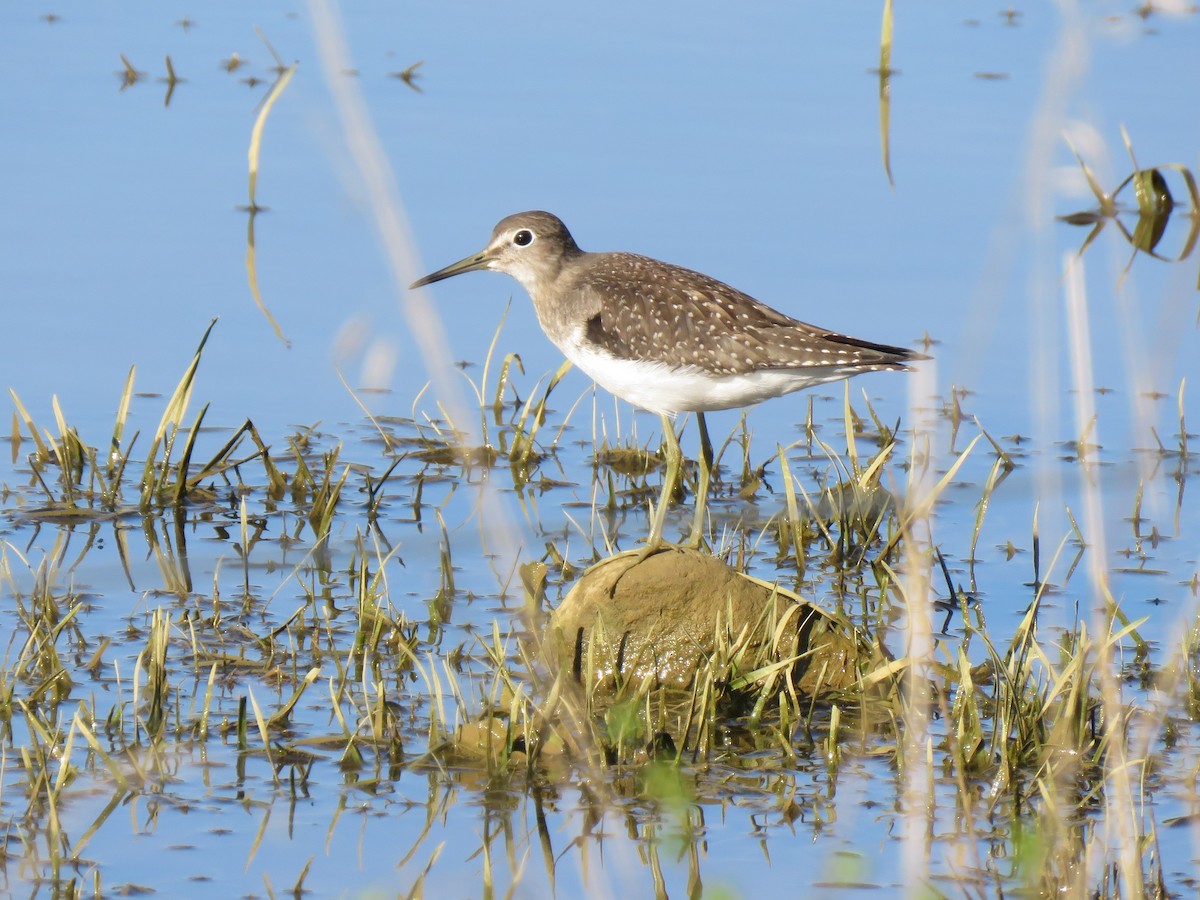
point(666, 338)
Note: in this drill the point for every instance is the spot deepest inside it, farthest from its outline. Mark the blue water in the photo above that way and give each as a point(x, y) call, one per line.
point(741, 141)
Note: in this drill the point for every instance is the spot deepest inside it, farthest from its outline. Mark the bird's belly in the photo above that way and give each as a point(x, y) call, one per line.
point(662, 389)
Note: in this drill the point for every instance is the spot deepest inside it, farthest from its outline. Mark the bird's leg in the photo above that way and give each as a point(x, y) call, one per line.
point(706, 463)
point(670, 479)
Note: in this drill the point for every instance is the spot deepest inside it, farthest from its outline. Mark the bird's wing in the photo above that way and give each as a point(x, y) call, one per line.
point(640, 308)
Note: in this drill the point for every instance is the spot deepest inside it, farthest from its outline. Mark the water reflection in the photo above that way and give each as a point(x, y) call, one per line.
point(1155, 206)
point(267, 642)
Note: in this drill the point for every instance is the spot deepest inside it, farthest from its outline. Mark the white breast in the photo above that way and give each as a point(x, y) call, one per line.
point(661, 389)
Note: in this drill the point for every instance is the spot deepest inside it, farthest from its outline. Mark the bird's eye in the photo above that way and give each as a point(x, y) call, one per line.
point(523, 238)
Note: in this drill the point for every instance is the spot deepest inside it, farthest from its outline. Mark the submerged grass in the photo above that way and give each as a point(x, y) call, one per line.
point(1021, 732)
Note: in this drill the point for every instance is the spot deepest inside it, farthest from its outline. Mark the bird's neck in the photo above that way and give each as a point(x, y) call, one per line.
point(553, 295)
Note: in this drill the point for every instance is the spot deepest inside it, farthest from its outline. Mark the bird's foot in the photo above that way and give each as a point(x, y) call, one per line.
point(647, 550)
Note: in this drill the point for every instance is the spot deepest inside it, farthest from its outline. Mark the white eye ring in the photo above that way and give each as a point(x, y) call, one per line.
point(523, 238)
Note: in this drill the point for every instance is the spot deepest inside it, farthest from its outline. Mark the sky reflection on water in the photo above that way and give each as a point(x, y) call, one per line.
point(745, 144)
